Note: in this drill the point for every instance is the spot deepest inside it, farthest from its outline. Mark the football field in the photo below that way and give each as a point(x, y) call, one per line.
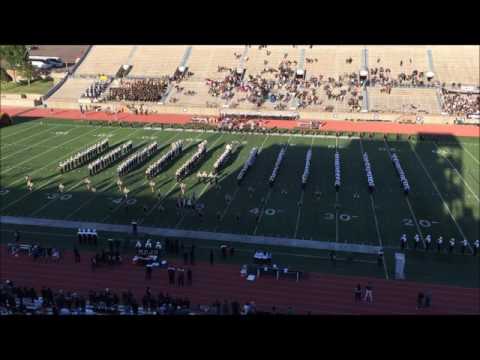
point(443, 176)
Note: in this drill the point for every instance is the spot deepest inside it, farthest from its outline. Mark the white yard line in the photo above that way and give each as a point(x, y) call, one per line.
point(300, 201)
point(74, 186)
point(29, 128)
point(407, 200)
point(412, 213)
point(201, 192)
point(269, 194)
point(469, 153)
point(375, 218)
point(29, 193)
point(299, 214)
point(44, 152)
point(458, 173)
point(439, 194)
point(29, 146)
point(150, 211)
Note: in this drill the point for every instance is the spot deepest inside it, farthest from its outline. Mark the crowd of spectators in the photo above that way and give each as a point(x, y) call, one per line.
point(17, 300)
point(281, 85)
point(455, 103)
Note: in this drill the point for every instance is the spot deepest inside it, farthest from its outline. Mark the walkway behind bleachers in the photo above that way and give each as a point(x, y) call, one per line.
point(72, 89)
point(331, 60)
point(105, 59)
point(390, 57)
point(401, 99)
point(458, 64)
point(156, 61)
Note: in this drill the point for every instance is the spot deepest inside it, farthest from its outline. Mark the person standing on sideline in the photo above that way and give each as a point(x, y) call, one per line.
point(211, 257)
point(476, 245)
point(148, 272)
point(380, 258)
point(358, 293)
point(439, 244)
point(428, 242)
point(189, 277)
point(420, 300)
point(181, 277)
point(76, 254)
point(369, 293)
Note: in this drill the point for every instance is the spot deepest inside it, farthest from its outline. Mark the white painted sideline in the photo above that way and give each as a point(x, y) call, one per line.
point(191, 234)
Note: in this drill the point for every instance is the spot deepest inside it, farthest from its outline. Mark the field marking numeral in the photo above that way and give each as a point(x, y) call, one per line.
point(61, 132)
point(129, 201)
point(270, 212)
point(4, 192)
point(343, 217)
point(58, 196)
point(422, 222)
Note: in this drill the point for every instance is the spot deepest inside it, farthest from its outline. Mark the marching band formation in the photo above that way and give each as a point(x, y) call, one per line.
point(223, 158)
point(337, 171)
point(280, 157)
point(186, 168)
point(175, 150)
point(138, 158)
point(401, 174)
point(84, 156)
point(106, 160)
point(306, 170)
point(368, 171)
point(248, 164)
point(428, 244)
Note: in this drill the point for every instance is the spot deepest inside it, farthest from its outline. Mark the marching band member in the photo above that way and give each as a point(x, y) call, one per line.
point(428, 242)
point(60, 188)
point(30, 185)
point(403, 241)
point(125, 192)
point(464, 245)
point(476, 245)
point(119, 184)
point(439, 243)
point(451, 245)
point(152, 185)
point(417, 241)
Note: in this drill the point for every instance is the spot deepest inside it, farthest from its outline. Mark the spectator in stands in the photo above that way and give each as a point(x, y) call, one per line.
point(460, 104)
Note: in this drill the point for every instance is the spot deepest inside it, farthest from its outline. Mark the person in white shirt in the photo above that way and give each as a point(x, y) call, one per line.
point(439, 243)
point(464, 245)
point(60, 188)
point(417, 241)
point(476, 245)
point(403, 241)
point(428, 241)
point(452, 245)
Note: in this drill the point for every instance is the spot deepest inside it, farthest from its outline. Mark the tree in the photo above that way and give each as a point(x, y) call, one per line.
point(14, 57)
point(28, 71)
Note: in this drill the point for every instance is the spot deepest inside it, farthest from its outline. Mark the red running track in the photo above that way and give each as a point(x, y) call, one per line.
point(318, 294)
point(333, 125)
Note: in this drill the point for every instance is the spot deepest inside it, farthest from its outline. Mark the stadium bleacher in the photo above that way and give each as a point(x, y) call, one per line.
point(459, 65)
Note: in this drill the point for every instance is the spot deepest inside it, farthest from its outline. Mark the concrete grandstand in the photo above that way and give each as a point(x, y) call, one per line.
point(362, 82)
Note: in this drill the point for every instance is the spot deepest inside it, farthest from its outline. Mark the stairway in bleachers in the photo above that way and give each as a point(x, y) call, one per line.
point(242, 59)
point(186, 56)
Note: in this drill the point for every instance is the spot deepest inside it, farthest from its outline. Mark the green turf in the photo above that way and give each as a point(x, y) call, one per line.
point(36, 87)
point(35, 147)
